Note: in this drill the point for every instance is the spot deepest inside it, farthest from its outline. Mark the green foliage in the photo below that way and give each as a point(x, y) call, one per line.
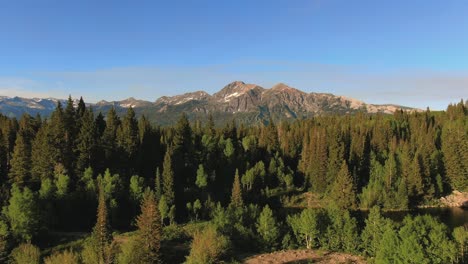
point(343, 192)
point(65, 257)
point(255, 175)
point(87, 141)
point(268, 229)
point(163, 208)
point(111, 186)
point(461, 238)
point(95, 253)
point(130, 252)
point(22, 214)
point(98, 248)
point(168, 179)
point(236, 193)
point(394, 162)
point(202, 177)
point(136, 187)
point(26, 254)
point(208, 246)
point(172, 215)
point(373, 231)
point(229, 149)
point(306, 227)
point(157, 184)
point(425, 238)
point(388, 249)
point(48, 189)
point(148, 238)
point(20, 161)
point(341, 233)
point(88, 182)
point(194, 210)
point(4, 241)
point(420, 240)
point(61, 181)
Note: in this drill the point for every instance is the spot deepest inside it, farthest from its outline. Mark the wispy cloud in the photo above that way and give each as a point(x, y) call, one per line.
point(412, 87)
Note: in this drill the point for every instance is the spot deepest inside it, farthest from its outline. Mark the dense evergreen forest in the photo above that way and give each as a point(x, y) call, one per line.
point(228, 188)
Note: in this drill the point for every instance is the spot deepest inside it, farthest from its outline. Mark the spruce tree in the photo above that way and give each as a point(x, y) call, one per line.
point(20, 162)
point(101, 232)
point(86, 142)
point(373, 232)
point(343, 192)
point(128, 140)
point(236, 194)
point(80, 110)
point(149, 229)
point(157, 185)
point(168, 179)
point(4, 237)
point(43, 155)
point(109, 137)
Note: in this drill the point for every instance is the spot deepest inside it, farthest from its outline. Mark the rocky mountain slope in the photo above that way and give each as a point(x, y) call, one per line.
point(249, 102)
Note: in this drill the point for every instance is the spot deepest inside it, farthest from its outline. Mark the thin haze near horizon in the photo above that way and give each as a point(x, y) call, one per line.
point(412, 53)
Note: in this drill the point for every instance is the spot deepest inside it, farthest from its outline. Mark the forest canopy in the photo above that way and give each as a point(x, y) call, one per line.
point(56, 172)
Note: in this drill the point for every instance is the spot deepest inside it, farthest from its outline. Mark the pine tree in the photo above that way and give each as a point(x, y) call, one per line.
point(127, 139)
point(163, 209)
point(80, 110)
point(71, 123)
point(236, 194)
point(109, 137)
point(387, 251)
point(58, 138)
point(43, 155)
point(373, 232)
point(149, 229)
point(101, 231)
point(4, 237)
point(343, 192)
point(20, 162)
point(168, 178)
point(157, 185)
point(86, 142)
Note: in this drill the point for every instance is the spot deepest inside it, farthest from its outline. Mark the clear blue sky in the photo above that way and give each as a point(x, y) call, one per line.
point(406, 52)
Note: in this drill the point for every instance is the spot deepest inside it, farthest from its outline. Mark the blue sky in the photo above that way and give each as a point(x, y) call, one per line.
point(406, 52)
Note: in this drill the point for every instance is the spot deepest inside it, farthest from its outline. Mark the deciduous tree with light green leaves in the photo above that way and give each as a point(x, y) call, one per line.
point(268, 229)
point(22, 214)
point(305, 227)
point(202, 177)
point(26, 254)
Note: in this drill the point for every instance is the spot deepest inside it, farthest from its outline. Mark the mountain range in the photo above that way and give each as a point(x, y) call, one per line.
point(247, 102)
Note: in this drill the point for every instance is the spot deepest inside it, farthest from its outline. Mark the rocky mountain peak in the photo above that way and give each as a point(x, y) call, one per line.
point(236, 89)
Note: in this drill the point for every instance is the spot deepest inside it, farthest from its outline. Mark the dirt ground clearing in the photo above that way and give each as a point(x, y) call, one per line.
point(304, 256)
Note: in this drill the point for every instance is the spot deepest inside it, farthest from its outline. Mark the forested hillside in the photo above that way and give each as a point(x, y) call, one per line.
point(55, 173)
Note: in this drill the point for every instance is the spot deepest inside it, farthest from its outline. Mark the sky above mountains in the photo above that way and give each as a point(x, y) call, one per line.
point(412, 53)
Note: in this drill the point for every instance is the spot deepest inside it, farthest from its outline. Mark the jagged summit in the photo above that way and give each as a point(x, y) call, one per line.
point(234, 90)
